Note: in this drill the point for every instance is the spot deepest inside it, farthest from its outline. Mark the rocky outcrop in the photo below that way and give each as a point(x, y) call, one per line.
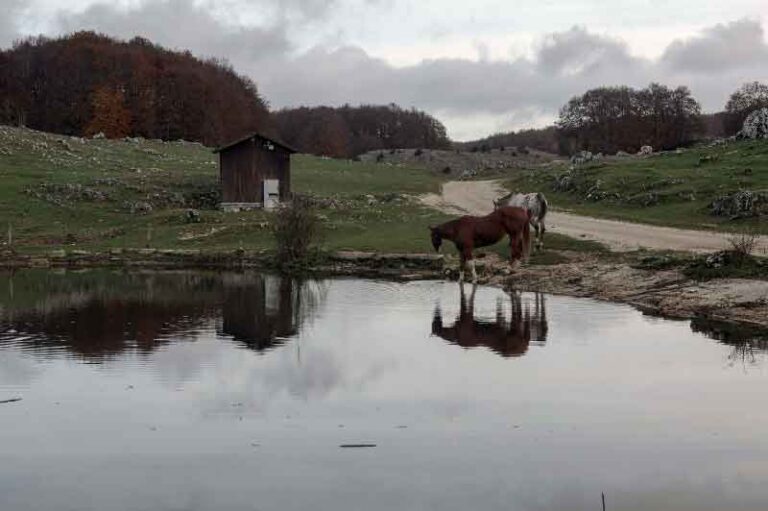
point(741, 204)
point(755, 125)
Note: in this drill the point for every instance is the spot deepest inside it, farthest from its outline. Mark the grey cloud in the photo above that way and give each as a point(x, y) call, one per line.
point(565, 65)
point(10, 13)
point(723, 47)
point(578, 51)
point(181, 24)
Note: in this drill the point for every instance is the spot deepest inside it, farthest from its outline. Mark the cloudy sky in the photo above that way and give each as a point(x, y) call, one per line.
point(480, 67)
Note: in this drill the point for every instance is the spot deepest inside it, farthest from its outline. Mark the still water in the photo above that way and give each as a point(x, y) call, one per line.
point(203, 391)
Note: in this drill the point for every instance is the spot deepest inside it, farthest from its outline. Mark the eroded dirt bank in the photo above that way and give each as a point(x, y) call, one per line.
point(667, 293)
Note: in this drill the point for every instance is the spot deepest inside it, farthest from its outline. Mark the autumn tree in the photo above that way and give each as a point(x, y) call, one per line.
point(110, 115)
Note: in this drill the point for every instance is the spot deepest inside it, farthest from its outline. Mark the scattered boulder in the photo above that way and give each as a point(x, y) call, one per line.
point(755, 125)
point(741, 204)
point(564, 183)
point(645, 150)
point(622, 154)
point(192, 216)
point(582, 157)
point(138, 207)
point(98, 136)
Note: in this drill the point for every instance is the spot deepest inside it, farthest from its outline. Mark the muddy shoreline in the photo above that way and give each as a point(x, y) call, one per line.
point(664, 293)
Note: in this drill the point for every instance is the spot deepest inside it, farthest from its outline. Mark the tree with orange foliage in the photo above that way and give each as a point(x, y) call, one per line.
point(110, 115)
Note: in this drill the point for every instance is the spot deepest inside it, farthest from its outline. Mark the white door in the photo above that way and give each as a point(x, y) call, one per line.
point(271, 193)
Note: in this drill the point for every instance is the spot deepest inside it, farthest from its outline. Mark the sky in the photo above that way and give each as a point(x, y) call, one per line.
point(480, 67)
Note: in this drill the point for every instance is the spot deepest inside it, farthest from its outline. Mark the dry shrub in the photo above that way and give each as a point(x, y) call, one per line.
point(743, 244)
point(297, 229)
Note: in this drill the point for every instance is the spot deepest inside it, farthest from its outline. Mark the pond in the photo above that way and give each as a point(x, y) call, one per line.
point(234, 391)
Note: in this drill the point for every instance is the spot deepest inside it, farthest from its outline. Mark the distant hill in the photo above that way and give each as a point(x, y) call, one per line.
point(348, 131)
point(86, 83)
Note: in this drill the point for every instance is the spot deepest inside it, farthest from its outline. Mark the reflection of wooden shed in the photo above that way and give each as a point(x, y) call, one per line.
point(255, 172)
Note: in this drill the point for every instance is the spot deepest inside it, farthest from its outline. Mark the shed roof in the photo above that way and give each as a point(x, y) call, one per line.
point(255, 135)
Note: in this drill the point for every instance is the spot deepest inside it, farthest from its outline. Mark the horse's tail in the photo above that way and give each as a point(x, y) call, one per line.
point(544, 205)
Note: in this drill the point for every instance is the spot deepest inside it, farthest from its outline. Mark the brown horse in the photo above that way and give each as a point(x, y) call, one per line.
point(471, 232)
point(507, 337)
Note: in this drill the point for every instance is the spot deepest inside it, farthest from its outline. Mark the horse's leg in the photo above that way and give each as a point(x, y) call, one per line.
point(466, 254)
point(543, 230)
point(538, 234)
point(514, 245)
point(462, 264)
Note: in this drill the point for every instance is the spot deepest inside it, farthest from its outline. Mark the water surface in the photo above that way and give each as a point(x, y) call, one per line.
point(198, 391)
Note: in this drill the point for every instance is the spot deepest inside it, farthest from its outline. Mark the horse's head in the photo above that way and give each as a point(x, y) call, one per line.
point(437, 238)
point(497, 203)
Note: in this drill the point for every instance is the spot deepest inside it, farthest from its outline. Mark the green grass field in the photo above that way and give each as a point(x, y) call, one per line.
point(665, 189)
point(64, 192)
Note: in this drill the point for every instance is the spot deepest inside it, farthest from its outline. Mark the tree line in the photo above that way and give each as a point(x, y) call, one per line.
point(86, 83)
point(347, 131)
point(611, 119)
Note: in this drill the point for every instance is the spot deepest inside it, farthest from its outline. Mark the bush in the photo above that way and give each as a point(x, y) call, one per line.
point(379, 157)
point(743, 245)
point(297, 229)
point(418, 152)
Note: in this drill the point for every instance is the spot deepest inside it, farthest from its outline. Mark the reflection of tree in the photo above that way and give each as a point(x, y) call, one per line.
point(260, 311)
point(507, 337)
point(96, 316)
point(747, 341)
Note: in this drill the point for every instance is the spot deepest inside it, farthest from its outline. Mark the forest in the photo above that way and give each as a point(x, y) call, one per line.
point(85, 83)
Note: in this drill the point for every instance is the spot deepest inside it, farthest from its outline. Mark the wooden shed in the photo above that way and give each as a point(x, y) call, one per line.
point(254, 172)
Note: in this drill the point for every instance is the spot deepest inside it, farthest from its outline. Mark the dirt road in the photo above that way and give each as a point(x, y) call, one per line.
point(475, 197)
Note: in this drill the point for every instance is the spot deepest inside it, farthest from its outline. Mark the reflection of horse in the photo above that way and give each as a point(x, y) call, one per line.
point(470, 232)
point(535, 203)
point(508, 338)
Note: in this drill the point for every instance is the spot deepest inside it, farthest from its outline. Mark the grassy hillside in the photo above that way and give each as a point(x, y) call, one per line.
point(94, 194)
point(665, 189)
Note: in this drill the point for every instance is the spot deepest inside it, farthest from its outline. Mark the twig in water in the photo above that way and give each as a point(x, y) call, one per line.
point(4, 401)
point(350, 446)
point(603, 494)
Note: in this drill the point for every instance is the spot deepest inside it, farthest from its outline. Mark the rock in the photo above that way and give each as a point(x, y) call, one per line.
point(138, 207)
point(645, 150)
point(564, 183)
point(718, 259)
point(621, 154)
point(755, 125)
point(741, 204)
point(192, 216)
point(98, 136)
point(582, 157)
